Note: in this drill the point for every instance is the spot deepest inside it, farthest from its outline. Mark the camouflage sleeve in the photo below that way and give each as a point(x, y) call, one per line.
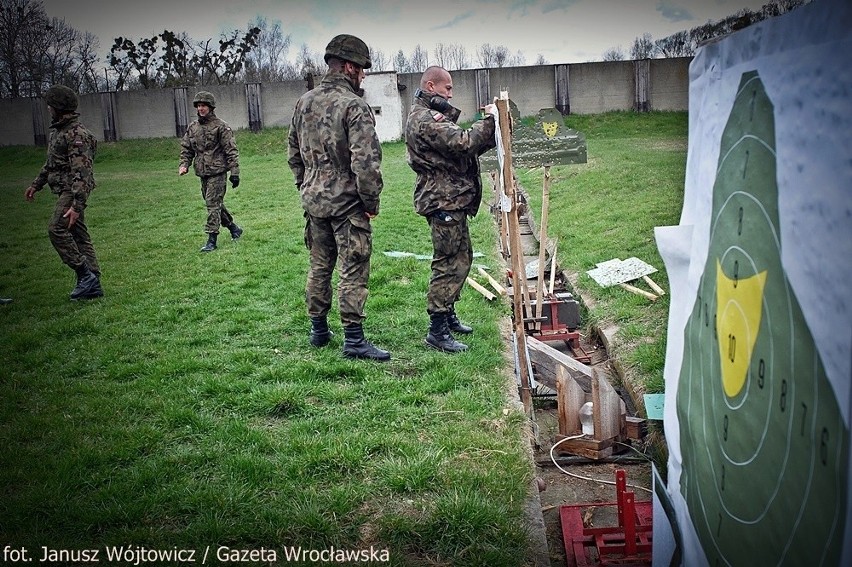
point(445, 136)
point(366, 154)
point(81, 157)
point(229, 145)
point(186, 152)
point(294, 154)
point(41, 179)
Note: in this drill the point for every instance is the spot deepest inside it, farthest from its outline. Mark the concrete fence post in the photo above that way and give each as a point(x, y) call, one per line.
point(563, 100)
point(642, 73)
point(483, 87)
point(181, 111)
point(39, 132)
point(108, 113)
point(255, 117)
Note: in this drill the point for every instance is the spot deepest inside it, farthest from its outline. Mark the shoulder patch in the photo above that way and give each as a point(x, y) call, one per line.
point(78, 141)
point(438, 116)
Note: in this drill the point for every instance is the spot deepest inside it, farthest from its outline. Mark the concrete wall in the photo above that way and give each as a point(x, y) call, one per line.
point(382, 94)
point(592, 88)
point(668, 77)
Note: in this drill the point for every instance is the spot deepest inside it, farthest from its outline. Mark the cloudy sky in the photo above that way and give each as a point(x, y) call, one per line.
point(563, 31)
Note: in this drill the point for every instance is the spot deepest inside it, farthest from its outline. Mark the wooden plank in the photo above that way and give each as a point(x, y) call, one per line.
point(570, 397)
point(653, 285)
point(638, 291)
point(494, 283)
point(542, 241)
point(609, 408)
point(542, 353)
point(475, 285)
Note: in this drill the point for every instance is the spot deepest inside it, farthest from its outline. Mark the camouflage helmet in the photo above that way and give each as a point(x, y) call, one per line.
point(349, 48)
point(204, 97)
point(61, 98)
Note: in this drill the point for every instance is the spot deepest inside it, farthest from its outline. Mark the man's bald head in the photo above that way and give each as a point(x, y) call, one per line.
point(437, 80)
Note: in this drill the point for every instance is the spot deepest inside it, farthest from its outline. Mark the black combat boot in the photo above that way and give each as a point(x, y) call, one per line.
point(88, 284)
point(439, 336)
point(320, 333)
point(211, 243)
point(457, 326)
point(236, 232)
point(356, 346)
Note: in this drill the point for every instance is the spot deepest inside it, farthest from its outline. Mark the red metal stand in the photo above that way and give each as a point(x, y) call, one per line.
point(627, 544)
point(556, 330)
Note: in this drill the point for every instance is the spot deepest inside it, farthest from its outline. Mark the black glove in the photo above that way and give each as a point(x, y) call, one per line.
point(235, 181)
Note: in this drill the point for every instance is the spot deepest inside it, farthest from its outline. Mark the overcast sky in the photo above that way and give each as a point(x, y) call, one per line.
point(563, 31)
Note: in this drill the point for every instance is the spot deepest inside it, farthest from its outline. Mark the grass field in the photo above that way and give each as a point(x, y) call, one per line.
point(186, 408)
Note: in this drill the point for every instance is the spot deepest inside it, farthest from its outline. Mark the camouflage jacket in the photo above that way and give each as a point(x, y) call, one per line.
point(334, 150)
point(445, 158)
point(210, 146)
point(70, 155)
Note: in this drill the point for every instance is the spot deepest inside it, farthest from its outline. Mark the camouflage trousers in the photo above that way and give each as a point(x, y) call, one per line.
point(213, 192)
point(349, 240)
point(74, 244)
point(452, 256)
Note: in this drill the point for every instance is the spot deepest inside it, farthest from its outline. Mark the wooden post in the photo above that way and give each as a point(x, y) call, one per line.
point(515, 253)
point(553, 267)
point(542, 241)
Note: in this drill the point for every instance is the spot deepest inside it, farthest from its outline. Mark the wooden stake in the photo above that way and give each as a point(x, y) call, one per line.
point(542, 240)
point(516, 254)
point(553, 267)
point(657, 289)
point(638, 291)
point(494, 283)
point(485, 293)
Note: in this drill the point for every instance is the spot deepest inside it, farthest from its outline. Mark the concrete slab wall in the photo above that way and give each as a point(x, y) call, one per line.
point(16, 121)
point(600, 87)
point(530, 88)
point(669, 83)
point(592, 88)
point(278, 101)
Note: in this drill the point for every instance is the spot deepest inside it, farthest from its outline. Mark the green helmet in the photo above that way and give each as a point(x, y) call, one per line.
point(205, 97)
point(349, 48)
point(61, 98)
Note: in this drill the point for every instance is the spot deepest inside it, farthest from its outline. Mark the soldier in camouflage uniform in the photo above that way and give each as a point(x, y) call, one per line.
point(447, 191)
point(68, 171)
point(209, 145)
point(335, 157)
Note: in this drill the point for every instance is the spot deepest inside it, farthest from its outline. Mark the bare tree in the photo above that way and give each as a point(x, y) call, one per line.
point(676, 45)
point(492, 55)
point(442, 56)
point(614, 54)
point(419, 59)
point(401, 63)
point(378, 59)
point(309, 62)
point(457, 57)
point(643, 47)
point(540, 60)
point(267, 61)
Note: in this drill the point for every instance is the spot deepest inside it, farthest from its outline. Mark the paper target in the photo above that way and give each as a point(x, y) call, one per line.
point(763, 441)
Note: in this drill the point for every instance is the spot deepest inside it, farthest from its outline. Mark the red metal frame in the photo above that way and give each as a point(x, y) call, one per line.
point(558, 331)
point(627, 544)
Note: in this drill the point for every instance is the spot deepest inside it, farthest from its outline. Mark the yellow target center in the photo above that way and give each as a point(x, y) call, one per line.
point(739, 309)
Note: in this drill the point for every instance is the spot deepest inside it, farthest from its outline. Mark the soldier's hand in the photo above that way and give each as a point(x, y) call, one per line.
point(182, 170)
point(29, 194)
point(72, 216)
point(235, 181)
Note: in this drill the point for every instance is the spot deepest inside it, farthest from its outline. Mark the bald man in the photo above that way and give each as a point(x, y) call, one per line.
point(448, 190)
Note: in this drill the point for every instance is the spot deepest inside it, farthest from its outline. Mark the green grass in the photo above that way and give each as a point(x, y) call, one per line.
point(186, 408)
